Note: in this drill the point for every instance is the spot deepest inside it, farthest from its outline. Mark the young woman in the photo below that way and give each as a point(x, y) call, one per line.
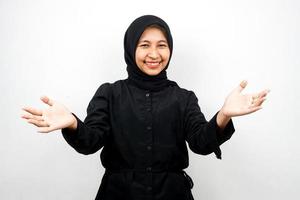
point(144, 122)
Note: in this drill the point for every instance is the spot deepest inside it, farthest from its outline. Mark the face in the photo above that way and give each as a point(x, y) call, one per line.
point(152, 53)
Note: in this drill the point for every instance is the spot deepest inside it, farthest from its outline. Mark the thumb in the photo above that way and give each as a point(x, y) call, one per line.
point(47, 100)
point(242, 85)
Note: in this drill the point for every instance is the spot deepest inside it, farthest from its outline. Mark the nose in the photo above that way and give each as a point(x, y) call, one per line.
point(153, 54)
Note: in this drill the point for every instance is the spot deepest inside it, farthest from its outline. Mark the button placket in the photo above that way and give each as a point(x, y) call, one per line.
point(149, 121)
point(148, 114)
point(149, 140)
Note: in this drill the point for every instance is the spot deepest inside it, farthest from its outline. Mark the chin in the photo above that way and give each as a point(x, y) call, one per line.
point(152, 73)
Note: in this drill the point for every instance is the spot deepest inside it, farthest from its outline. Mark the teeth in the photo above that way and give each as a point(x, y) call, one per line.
point(153, 64)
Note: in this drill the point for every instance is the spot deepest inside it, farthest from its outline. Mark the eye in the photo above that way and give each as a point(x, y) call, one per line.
point(163, 45)
point(144, 45)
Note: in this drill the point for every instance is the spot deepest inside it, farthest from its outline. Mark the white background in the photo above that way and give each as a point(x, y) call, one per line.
point(67, 48)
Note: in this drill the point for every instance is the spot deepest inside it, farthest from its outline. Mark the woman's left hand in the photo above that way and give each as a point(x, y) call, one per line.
point(237, 104)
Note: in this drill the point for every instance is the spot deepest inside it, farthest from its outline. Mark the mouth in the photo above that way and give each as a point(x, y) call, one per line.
point(152, 64)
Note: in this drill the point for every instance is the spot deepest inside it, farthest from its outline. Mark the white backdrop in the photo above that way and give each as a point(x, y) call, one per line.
point(67, 48)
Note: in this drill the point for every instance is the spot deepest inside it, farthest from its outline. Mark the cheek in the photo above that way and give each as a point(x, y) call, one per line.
point(139, 56)
point(166, 55)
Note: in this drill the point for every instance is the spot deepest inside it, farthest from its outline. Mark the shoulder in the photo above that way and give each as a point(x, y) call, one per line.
point(109, 88)
point(103, 89)
point(182, 92)
point(183, 96)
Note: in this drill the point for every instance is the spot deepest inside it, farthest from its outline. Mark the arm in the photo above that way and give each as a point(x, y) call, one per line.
point(203, 136)
point(89, 136)
point(85, 137)
point(222, 120)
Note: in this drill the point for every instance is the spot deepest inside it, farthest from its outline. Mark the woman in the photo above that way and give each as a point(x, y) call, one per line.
point(144, 122)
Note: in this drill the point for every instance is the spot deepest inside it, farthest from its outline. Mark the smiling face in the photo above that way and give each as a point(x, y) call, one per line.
point(152, 52)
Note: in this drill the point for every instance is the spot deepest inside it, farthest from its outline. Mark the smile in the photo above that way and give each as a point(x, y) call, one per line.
point(152, 64)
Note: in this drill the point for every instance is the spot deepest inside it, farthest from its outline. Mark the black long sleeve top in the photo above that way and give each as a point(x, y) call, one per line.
point(144, 136)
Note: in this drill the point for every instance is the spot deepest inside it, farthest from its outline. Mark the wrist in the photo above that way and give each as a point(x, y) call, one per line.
point(73, 125)
point(223, 114)
point(222, 119)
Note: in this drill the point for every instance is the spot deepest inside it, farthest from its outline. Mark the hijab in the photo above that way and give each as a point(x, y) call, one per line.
point(131, 39)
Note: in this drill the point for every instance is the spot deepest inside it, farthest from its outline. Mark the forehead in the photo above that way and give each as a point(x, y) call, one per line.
point(152, 34)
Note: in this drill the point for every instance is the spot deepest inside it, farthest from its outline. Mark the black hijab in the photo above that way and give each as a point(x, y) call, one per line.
point(132, 36)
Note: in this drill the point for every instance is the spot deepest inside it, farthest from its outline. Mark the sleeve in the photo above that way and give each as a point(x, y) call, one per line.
point(204, 137)
point(91, 135)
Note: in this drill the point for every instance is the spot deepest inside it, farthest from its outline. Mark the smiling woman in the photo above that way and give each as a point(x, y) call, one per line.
point(143, 123)
point(152, 52)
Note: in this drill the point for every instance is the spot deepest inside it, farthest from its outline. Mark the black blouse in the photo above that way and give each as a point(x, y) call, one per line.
point(144, 135)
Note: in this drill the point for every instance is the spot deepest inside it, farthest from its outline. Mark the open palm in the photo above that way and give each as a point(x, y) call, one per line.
point(237, 104)
point(55, 117)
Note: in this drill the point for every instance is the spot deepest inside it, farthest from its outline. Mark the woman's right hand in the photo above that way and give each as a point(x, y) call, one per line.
point(55, 117)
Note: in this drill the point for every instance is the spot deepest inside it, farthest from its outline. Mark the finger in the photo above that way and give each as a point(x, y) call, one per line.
point(254, 109)
point(30, 116)
point(242, 85)
point(261, 101)
point(260, 95)
point(258, 102)
point(47, 100)
point(25, 114)
point(37, 123)
point(263, 93)
point(255, 97)
point(33, 111)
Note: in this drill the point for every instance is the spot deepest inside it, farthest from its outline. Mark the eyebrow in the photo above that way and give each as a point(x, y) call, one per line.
point(149, 41)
